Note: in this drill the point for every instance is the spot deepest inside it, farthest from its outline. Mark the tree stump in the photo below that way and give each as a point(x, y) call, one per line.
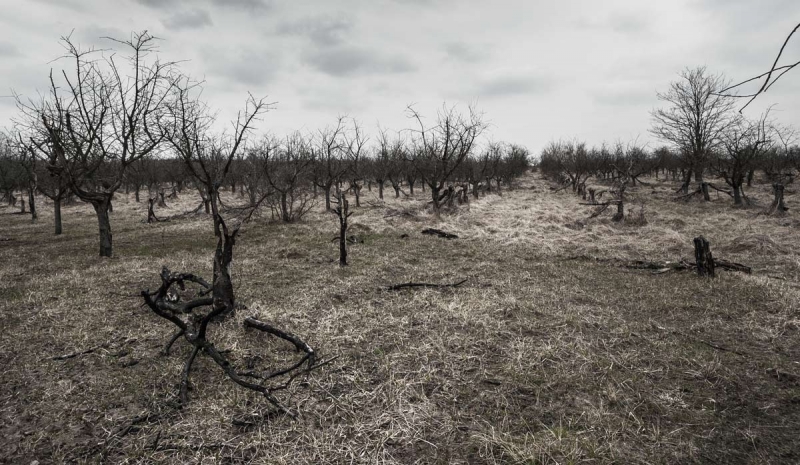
point(703, 257)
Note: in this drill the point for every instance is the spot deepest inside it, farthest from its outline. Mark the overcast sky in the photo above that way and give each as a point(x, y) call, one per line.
point(539, 70)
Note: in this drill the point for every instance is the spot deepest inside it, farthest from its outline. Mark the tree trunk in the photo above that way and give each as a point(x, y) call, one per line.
point(380, 190)
point(328, 198)
point(750, 175)
point(704, 190)
point(136, 193)
point(703, 257)
point(32, 202)
point(151, 215)
point(435, 197)
point(698, 174)
point(207, 205)
point(777, 203)
point(57, 214)
point(620, 215)
point(343, 211)
point(475, 193)
point(222, 286)
point(737, 193)
point(357, 192)
point(686, 181)
point(285, 208)
point(104, 224)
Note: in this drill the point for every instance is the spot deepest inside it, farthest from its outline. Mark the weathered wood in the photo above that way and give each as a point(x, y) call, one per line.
point(703, 258)
point(440, 233)
point(731, 266)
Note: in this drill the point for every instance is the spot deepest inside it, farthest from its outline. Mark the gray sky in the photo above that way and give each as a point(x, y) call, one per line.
point(539, 70)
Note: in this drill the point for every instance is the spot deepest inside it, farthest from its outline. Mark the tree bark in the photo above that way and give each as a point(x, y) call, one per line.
point(32, 202)
point(686, 181)
point(285, 208)
point(104, 224)
point(328, 198)
point(777, 204)
point(704, 190)
point(703, 257)
point(57, 214)
point(737, 194)
point(222, 286)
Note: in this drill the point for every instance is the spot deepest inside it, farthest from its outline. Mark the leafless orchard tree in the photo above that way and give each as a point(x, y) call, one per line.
point(329, 166)
point(100, 117)
point(288, 168)
point(744, 144)
point(441, 147)
point(695, 119)
point(208, 159)
point(355, 143)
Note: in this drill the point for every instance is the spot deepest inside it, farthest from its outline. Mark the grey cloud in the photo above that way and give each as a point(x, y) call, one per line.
point(504, 86)
point(159, 4)
point(190, 19)
point(625, 97)
point(622, 23)
point(322, 31)
point(627, 24)
point(248, 5)
point(96, 36)
point(8, 50)
point(469, 53)
point(247, 67)
point(75, 5)
point(347, 61)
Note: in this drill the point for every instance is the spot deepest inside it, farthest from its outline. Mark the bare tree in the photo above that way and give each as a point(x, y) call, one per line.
point(288, 168)
point(329, 166)
point(695, 118)
point(355, 142)
point(442, 147)
point(208, 159)
point(100, 118)
point(744, 143)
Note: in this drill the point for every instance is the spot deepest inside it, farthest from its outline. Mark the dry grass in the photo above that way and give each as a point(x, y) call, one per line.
point(545, 355)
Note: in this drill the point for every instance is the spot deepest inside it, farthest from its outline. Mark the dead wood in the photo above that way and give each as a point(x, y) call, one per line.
point(704, 261)
point(407, 285)
point(440, 233)
point(166, 303)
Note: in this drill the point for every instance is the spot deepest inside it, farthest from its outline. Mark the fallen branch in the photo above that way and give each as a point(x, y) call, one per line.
point(428, 285)
point(440, 233)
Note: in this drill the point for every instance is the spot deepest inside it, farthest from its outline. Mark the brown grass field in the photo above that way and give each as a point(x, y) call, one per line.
point(551, 352)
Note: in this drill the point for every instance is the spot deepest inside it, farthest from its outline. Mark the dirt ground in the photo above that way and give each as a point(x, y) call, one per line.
point(552, 351)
